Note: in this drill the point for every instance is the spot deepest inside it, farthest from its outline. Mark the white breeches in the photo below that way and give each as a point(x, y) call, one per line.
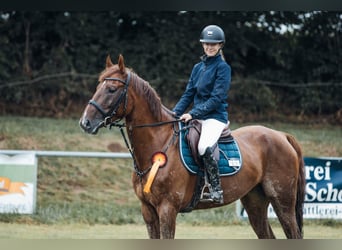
point(211, 131)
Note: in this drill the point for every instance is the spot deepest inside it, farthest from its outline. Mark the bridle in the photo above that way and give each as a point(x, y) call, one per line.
point(107, 116)
point(107, 120)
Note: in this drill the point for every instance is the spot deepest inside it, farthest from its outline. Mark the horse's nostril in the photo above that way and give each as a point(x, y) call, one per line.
point(85, 123)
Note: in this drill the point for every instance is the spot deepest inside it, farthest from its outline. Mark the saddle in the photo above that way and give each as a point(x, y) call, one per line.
point(194, 131)
point(226, 150)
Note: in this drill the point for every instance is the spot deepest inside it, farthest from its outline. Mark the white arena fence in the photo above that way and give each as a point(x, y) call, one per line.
point(18, 176)
point(18, 182)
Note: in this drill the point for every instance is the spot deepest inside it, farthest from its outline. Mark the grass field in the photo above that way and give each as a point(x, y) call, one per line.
point(130, 231)
point(78, 195)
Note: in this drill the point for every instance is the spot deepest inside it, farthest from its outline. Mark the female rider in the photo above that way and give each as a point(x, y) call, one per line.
point(207, 89)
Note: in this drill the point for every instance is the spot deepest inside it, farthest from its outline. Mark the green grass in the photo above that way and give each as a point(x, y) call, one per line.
point(133, 231)
point(99, 191)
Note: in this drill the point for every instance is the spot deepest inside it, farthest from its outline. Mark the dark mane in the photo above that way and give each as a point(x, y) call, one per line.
point(143, 88)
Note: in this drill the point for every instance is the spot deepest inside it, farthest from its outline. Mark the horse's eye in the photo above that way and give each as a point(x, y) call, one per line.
point(111, 90)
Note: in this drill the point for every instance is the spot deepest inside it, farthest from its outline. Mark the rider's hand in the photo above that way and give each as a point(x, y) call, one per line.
point(186, 117)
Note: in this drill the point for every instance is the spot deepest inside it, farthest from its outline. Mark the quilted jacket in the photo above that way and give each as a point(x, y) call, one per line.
point(207, 89)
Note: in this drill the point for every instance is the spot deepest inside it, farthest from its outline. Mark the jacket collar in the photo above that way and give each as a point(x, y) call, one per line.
point(206, 59)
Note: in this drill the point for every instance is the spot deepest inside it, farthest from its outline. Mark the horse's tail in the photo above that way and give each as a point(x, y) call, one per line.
point(300, 183)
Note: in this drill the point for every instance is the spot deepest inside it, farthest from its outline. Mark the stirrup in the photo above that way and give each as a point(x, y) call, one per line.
point(209, 196)
point(205, 196)
point(207, 192)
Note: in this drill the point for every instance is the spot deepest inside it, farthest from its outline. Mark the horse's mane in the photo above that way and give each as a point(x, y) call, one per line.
point(141, 87)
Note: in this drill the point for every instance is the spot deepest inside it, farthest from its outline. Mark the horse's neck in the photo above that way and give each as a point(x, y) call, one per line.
point(142, 125)
point(145, 139)
point(145, 111)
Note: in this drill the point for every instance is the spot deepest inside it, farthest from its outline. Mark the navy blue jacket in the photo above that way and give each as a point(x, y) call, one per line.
point(207, 89)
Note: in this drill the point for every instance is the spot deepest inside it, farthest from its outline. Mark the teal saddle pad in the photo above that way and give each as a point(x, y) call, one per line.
point(230, 161)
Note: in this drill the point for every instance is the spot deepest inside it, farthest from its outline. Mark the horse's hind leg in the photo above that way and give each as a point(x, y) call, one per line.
point(151, 219)
point(282, 196)
point(284, 207)
point(256, 204)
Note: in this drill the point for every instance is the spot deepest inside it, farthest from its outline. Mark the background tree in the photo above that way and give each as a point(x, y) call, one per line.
point(283, 63)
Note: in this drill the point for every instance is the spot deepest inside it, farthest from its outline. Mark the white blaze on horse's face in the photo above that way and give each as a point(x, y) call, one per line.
point(92, 120)
point(89, 122)
point(104, 105)
point(109, 97)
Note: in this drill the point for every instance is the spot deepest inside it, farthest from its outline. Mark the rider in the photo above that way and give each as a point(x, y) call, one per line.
point(207, 89)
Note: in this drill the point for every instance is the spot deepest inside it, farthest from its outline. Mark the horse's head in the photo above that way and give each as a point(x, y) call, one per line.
point(109, 103)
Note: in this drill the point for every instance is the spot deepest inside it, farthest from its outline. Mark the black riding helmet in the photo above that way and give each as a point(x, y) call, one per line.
point(212, 34)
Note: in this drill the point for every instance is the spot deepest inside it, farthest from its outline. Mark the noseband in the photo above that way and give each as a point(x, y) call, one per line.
point(107, 116)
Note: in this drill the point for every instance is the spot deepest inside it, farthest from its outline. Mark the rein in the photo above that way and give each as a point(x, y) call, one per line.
point(156, 124)
point(131, 150)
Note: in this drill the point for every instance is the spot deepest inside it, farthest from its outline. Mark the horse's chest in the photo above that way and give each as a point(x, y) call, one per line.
point(138, 185)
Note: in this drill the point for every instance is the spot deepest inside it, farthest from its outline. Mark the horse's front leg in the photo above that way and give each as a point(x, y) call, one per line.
point(151, 219)
point(167, 219)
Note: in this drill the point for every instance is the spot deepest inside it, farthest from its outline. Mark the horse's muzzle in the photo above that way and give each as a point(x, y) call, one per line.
point(91, 127)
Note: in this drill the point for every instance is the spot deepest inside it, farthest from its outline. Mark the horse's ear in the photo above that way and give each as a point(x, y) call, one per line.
point(108, 62)
point(121, 63)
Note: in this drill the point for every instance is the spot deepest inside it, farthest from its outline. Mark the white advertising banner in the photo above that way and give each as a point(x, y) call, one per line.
point(18, 183)
point(323, 198)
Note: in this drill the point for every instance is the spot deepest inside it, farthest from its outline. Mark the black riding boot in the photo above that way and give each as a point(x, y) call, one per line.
point(213, 175)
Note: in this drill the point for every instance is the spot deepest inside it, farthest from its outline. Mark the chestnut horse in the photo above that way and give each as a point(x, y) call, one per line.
point(272, 170)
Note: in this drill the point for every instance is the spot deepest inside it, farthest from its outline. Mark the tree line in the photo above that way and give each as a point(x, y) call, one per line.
point(282, 62)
